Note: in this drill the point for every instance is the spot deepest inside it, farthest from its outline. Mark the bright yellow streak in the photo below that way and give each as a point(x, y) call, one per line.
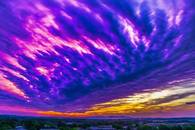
point(150, 101)
point(173, 98)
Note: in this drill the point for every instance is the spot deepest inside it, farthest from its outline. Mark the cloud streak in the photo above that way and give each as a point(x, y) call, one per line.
point(81, 58)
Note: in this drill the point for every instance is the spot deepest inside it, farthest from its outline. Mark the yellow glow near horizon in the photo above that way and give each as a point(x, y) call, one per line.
point(148, 101)
point(170, 99)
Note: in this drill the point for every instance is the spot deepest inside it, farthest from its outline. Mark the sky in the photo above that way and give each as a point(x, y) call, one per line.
point(97, 58)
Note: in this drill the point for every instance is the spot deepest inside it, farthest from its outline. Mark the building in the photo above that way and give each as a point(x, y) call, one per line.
point(20, 128)
point(49, 128)
point(107, 127)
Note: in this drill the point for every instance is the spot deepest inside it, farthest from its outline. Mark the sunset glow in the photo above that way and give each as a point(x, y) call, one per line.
point(97, 58)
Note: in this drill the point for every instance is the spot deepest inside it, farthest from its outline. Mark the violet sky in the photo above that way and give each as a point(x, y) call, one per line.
point(84, 58)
